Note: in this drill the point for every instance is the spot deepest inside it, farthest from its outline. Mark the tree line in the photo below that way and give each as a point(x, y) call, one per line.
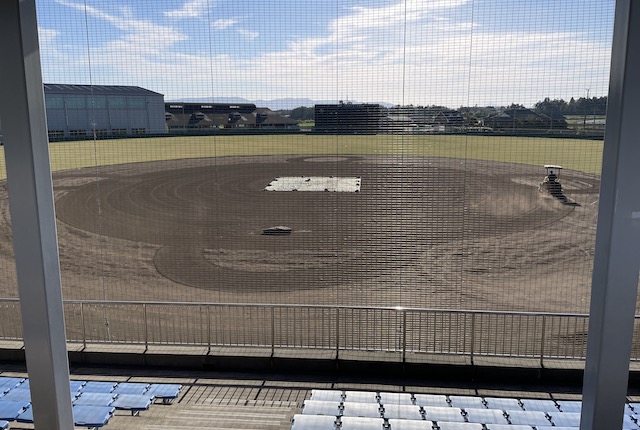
point(548, 106)
point(581, 106)
point(300, 113)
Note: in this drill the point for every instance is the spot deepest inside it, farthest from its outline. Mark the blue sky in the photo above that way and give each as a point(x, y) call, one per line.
point(451, 52)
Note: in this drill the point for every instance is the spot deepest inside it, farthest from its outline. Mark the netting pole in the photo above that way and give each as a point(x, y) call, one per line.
point(617, 253)
point(33, 218)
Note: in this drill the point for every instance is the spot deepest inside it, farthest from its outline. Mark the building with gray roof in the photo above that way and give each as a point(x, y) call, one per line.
point(80, 111)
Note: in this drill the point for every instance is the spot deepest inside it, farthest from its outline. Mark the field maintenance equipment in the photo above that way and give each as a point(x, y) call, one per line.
point(551, 183)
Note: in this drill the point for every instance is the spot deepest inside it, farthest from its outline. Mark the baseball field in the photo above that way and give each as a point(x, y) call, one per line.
point(439, 221)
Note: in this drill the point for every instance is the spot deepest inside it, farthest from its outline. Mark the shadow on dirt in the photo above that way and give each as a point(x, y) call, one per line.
point(554, 189)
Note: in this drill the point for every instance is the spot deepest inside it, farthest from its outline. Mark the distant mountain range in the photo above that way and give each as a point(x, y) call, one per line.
point(276, 104)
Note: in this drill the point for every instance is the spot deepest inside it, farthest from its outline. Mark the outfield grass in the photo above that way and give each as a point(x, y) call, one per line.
point(584, 155)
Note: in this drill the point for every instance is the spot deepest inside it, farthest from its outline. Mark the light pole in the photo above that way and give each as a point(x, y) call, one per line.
point(584, 122)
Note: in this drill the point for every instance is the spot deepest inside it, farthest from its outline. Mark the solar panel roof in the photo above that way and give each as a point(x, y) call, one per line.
point(68, 89)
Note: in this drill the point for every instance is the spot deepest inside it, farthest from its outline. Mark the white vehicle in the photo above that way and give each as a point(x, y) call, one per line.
point(551, 181)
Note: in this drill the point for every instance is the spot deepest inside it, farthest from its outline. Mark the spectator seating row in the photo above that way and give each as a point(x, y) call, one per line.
point(329, 409)
point(94, 402)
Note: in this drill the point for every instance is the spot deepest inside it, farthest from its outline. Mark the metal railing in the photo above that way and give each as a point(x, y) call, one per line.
point(408, 332)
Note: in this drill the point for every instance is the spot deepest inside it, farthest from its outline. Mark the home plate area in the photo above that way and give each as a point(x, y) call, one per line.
point(331, 184)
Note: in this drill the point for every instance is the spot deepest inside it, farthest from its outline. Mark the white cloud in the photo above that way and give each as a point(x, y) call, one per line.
point(447, 59)
point(55, 60)
point(432, 55)
point(47, 35)
point(248, 33)
point(139, 34)
point(139, 50)
point(400, 12)
point(221, 24)
point(190, 9)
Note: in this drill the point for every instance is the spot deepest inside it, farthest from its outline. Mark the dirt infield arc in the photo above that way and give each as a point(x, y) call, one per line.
point(206, 216)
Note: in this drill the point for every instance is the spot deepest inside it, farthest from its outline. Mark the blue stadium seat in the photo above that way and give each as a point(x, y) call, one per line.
point(94, 404)
point(361, 423)
point(327, 395)
point(76, 385)
point(410, 425)
point(167, 393)
point(396, 398)
point(94, 399)
point(25, 384)
point(502, 403)
point(556, 428)
point(459, 426)
point(131, 388)
point(630, 422)
point(531, 418)
point(435, 413)
point(26, 416)
point(361, 396)
point(407, 412)
point(357, 409)
point(569, 405)
point(539, 405)
point(92, 416)
point(7, 383)
point(135, 403)
point(9, 410)
point(509, 427)
point(318, 407)
point(98, 387)
point(485, 416)
point(566, 419)
point(83, 416)
point(312, 422)
point(18, 394)
point(437, 400)
point(464, 402)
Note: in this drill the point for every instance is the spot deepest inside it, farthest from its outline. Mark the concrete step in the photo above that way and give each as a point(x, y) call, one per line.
point(231, 417)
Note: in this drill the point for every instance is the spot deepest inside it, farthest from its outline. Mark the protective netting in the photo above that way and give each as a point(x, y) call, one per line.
point(169, 119)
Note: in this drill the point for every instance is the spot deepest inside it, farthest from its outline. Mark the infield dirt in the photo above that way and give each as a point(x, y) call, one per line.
point(423, 231)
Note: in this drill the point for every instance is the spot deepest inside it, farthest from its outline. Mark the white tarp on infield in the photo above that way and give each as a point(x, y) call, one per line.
point(315, 183)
